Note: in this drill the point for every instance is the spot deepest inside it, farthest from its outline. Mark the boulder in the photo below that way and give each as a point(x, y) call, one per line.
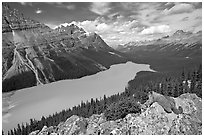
point(73, 126)
point(93, 129)
point(47, 130)
point(35, 132)
point(94, 123)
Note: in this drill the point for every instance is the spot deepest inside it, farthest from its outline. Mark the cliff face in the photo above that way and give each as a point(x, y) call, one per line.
point(12, 19)
point(34, 54)
point(153, 121)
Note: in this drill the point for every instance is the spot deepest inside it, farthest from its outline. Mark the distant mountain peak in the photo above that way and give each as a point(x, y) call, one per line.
point(70, 28)
point(70, 25)
point(181, 32)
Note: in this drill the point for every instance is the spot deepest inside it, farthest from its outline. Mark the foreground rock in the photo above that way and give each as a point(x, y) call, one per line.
point(153, 121)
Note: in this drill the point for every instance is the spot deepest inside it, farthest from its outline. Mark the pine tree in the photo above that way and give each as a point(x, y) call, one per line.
point(180, 87)
point(15, 132)
point(105, 102)
point(19, 129)
point(23, 129)
point(183, 75)
point(199, 73)
point(186, 88)
point(28, 128)
point(176, 92)
point(193, 82)
point(11, 132)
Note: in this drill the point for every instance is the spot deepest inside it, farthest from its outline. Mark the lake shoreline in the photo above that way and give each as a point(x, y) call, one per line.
point(23, 104)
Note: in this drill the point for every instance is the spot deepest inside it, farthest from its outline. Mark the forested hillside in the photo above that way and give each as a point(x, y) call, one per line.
point(122, 104)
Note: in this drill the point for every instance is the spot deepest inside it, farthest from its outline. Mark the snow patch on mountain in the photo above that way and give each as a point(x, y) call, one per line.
point(114, 54)
point(101, 67)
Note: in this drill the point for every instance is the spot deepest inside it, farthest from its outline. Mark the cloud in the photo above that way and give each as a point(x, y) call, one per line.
point(89, 26)
point(64, 5)
point(23, 3)
point(131, 5)
point(176, 23)
point(156, 29)
point(179, 8)
point(175, 15)
point(100, 8)
point(70, 7)
point(114, 16)
point(38, 11)
point(26, 3)
point(113, 33)
point(120, 23)
point(93, 26)
point(102, 27)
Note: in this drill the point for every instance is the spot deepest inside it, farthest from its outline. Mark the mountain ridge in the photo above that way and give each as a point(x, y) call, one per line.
point(34, 54)
point(185, 44)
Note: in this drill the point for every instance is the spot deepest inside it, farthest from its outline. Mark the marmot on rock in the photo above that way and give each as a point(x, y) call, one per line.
point(166, 102)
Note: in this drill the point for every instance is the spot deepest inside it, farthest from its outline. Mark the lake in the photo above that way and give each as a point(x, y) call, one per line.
point(35, 102)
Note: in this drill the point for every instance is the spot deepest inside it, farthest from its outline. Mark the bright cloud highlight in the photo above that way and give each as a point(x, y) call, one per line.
point(156, 29)
point(100, 8)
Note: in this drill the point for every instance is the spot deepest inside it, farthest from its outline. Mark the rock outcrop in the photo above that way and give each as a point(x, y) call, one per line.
point(153, 121)
point(166, 102)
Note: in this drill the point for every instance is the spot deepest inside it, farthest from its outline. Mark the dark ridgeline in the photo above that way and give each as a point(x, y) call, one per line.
point(119, 105)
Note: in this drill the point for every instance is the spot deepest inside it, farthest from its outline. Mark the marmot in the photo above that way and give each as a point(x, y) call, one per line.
point(166, 102)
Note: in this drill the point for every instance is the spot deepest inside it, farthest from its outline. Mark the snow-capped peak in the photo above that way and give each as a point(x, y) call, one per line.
point(64, 25)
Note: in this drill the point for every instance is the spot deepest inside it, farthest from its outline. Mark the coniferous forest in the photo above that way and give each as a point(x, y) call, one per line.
point(186, 82)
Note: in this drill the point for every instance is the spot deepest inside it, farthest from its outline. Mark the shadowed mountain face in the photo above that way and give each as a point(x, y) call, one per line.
point(34, 54)
point(181, 44)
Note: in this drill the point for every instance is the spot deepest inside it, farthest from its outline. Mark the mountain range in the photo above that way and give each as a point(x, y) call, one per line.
point(33, 54)
point(183, 44)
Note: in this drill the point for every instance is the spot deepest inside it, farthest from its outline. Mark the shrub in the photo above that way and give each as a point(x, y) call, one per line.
point(122, 108)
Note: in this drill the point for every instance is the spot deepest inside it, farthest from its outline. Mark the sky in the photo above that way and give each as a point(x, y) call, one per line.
point(118, 22)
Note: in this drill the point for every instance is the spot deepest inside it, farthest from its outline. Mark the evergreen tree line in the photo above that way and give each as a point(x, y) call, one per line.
point(187, 82)
point(85, 109)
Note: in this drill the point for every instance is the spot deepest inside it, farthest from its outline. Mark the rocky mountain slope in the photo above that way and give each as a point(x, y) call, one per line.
point(185, 44)
point(152, 121)
point(33, 54)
